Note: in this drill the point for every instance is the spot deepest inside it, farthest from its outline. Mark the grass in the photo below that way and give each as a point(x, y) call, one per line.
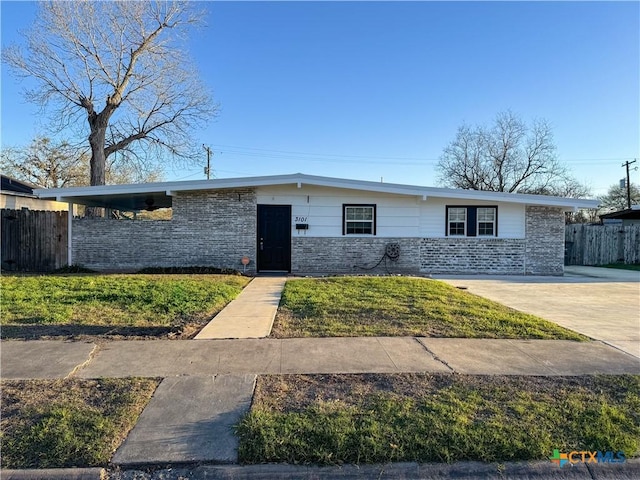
point(335, 419)
point(68, 423)
point(125, 304)
point(398, 306)
point(623, 266)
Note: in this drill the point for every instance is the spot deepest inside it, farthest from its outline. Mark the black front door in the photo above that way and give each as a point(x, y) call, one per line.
point(274, 237)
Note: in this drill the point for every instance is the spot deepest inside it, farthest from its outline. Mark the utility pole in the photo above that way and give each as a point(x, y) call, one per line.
point(626, 164)
point(207, 169)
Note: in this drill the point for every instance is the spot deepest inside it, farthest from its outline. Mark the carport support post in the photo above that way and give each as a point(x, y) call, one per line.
point(70, 235)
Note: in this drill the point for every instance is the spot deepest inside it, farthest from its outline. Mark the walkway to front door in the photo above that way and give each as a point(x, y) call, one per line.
point(251, 314)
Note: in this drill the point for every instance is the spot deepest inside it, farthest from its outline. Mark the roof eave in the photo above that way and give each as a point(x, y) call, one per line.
point(300, 179)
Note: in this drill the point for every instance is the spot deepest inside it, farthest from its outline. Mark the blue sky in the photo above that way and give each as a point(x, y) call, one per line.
point(372, 90)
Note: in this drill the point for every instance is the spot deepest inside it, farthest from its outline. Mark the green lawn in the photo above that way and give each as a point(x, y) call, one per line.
point(68, 423)
point(129, 304)
point(396, 306)
point(334, 419)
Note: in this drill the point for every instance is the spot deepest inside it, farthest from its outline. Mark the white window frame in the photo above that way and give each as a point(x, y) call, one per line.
point(346, 221)
point(493, 222)
point(449, 222)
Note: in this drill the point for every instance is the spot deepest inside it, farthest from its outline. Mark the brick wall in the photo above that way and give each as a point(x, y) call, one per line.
point(106, 244)
point(217, 228)
point(541, 253)
point(213, 228)
point(472, 255)
point(544, 227)
point(340, 255)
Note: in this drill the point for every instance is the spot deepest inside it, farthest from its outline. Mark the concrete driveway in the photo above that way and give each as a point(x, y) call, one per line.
point(602, 303)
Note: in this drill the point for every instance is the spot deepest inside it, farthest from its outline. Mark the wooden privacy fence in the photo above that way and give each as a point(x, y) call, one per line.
point(33, 240)
point(602, 244)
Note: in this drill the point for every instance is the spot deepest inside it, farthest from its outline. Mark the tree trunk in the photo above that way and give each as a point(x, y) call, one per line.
point(98, 159)
point(98, 124)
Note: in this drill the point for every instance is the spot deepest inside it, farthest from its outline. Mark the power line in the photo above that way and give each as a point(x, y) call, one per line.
point(403, 160)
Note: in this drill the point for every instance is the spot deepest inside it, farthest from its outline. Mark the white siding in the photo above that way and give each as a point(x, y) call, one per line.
point(433, 217)
point(321, 209)
point(397, 215)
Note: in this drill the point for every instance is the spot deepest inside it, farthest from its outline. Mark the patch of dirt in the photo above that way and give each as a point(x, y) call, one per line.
point(99, 333)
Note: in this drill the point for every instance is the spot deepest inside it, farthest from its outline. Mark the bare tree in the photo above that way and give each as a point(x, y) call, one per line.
point(616, 198)
point(49, 164)
point(120, 70)
point(510, 156)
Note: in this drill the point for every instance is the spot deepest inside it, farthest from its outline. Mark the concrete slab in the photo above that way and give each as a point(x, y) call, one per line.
point(478, 356)
point(530, 357)
point(250, 315)
point(42, 358)
point(629, 346)
point(602, 303)
point(165, 358)
point(249, 355)
point(355, 355)
point(579, 358)
point(153, 358)
point(409, 355)
point(189, 419)
point(261, 356)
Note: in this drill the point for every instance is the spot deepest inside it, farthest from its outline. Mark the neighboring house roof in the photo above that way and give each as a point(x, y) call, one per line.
point(139, 196)
point(632, 213)
point(11, 185)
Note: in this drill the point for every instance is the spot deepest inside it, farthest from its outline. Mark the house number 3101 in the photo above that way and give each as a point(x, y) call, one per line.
point(301, 219)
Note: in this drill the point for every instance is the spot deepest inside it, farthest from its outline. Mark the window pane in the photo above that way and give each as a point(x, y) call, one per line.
point(360, 228)
point(359, 220)
point(485, 228)
point(359, 213)
point(457, 214)
point(486, 214)
point(456, 228)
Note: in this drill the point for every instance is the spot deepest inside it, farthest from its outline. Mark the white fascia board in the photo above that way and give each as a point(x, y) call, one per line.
point(170, 188)
point(528, 199)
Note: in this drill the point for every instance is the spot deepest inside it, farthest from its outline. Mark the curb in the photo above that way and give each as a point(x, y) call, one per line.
point(96, 473)
point(539, 470)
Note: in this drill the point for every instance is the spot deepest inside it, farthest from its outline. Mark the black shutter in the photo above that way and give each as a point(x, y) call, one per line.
point(471, 221)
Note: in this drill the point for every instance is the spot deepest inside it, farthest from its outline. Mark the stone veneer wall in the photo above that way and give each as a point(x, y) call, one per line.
point(217, 228)
point(468, 256)
point(213, 228)
point(106, 244)
point(544, 229)
point(540, 253)
point(345, 254)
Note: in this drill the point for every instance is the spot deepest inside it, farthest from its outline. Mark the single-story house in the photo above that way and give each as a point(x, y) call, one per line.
point(16, 195)
point(306, 224)
point(627, 217)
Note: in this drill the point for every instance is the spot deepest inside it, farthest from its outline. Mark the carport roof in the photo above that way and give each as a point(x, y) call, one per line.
point(159, 195)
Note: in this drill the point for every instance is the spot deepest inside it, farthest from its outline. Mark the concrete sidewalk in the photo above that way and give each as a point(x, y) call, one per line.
point(251, 314)
point(189, 419)
point(164, 358)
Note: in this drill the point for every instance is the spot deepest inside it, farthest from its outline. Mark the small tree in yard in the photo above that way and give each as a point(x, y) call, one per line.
point(510, 156)
point(119, 70)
